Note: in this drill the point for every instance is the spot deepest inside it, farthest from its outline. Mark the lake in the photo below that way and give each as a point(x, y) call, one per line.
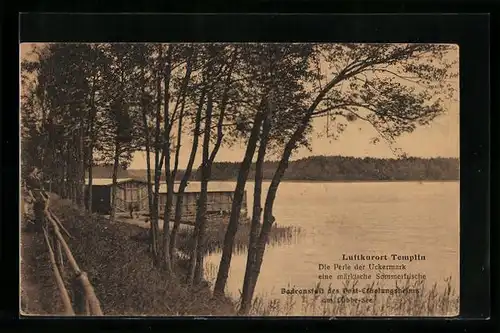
point(374, 218)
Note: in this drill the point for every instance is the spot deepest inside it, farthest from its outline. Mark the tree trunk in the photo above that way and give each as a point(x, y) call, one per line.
point(90, 158)
point(266, 225)
point(187, 175)
point(197, 251)
point(64, 175)
point(248, 286)
point(182, 98)
point(114, 186)
point(73, 176)
point(234, 218)
point(158, 161)
point(168, 174)
point(89, 186)
point(148, 170)
point(201, 217)
point(154, 216)
point(268, 218)
point(81, 169)
point(166, 220)
point(150, 204)
point(90, 161)
point(77, 161)
point(178, 204)
point(196, 266)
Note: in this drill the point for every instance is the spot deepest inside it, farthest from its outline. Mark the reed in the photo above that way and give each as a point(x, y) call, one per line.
point(216, 231)
point(435, 300)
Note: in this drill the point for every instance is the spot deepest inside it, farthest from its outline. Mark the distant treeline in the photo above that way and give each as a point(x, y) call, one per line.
point(332, 168)
point(340, 168)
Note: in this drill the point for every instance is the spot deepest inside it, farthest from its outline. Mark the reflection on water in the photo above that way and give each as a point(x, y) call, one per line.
point(350, 218)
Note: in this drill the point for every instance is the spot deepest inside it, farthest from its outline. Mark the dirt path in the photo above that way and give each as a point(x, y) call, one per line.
point(30, 296)
point(29, 291)
point(36, 280)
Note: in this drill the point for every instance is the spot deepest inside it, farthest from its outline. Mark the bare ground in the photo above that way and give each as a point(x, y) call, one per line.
point(35, 284)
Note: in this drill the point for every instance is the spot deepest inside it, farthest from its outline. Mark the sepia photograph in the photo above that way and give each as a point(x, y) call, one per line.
point(239, 179)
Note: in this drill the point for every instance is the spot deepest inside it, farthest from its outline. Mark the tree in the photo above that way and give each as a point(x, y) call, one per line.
point(146, 58)
point(97, 62)
point(169, 176)
point(176, 84)
point(275, 72)
point(391, 104)
point(58, 94)
point(121, 117)
point(186, 87)
point(165, 72)
point(187, 173)
point(218, 76)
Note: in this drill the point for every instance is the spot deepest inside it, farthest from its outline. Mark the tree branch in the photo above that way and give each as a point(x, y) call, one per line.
point(223, 104)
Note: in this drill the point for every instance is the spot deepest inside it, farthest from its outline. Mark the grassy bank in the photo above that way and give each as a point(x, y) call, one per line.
point(120, 269)
point(403, 298)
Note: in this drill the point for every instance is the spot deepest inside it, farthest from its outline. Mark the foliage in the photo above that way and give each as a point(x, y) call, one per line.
point(87, 104)
point(391, 107)
point(393, 87)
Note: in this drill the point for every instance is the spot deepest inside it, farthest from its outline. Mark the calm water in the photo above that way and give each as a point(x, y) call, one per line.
point(368, 218)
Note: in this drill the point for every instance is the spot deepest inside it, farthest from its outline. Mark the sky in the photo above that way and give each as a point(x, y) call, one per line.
point(439, 139)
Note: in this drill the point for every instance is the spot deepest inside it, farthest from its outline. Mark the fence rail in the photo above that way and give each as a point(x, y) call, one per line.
point(85, 301)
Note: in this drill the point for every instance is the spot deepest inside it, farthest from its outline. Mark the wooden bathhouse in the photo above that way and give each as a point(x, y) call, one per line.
point(134, 192)
point(130, 191)
point(218, 202)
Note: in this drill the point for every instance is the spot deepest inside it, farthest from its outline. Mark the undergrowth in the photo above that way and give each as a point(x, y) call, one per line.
point(121, 271)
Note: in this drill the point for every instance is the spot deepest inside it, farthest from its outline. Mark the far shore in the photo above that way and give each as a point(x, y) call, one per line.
point(342, 181)
point(330, 181)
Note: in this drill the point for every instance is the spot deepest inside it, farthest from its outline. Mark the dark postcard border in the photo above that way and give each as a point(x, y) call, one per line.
point(262, 6)
point(471, 32)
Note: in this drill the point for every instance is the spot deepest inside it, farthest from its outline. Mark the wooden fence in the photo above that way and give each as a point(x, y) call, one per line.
point(85, 301)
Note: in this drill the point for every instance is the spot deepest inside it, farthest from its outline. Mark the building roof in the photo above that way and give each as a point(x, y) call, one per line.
point(106, 181)
point(196, 187)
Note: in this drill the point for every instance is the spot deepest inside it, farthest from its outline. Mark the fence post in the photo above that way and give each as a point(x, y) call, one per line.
point(60, 258)
point(89, 294)
point(39, 212)
point(59, 280)
point(56, 244)
point(87, 307)
point(79, 301)
point(84, 301)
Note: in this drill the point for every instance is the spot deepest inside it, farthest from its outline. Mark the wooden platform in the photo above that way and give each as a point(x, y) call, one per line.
point(140, 220)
